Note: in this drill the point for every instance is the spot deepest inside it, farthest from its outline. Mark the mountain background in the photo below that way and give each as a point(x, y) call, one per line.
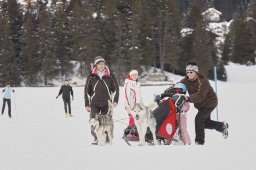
point(45, 41)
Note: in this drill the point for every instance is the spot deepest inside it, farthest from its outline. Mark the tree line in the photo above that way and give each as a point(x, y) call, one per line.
point(41, 42)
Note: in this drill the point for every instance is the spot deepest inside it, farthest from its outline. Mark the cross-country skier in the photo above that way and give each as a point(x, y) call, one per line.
point(7, 95)
point(66, 90)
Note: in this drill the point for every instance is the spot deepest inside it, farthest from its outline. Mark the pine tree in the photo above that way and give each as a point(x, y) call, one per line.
point(134, 52)
point(147, 35)
point(243, 48)
point(173, 49)
point(30, 57)
point(7, 52)
point(227, 49)
point(62, 41)
point(78, 35)
point(46, 46)
point(94, 40)
point(119, 11)
point(202, 43)
point(225, 7)
point(13, 11)
point(252, 24)
point(202, 49)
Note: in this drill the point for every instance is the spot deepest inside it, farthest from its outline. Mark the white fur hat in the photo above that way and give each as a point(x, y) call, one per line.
point(133, 72)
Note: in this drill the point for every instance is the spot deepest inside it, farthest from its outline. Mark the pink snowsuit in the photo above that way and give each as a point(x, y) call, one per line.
point(183, 124)
point(132, 96)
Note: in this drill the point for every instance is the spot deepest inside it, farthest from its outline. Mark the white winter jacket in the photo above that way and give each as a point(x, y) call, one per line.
point(132, 93)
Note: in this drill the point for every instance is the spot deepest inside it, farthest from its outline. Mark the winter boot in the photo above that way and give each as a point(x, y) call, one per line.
point(67, 114)
point(95, 142)
point(198, 143)
point(127, 131)
point(225, 130)
point(167, 141)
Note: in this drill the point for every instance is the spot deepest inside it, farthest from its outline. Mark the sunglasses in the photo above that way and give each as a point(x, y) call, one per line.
point(189, 72)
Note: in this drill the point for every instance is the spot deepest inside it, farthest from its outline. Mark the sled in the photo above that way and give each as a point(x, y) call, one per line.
point(167, 128)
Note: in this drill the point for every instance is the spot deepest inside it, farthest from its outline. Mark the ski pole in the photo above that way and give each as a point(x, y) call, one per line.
point(53, 103)
point(16, 111)
point(215, 79)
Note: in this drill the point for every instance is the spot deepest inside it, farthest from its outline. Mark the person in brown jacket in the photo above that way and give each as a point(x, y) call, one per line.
point(202, 95)
point(101, 86)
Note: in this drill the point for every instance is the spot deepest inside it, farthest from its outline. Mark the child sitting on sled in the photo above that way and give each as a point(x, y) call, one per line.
point(177, 94)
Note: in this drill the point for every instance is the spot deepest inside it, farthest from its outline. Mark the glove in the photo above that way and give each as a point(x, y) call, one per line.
point(157, 98)
point(186, 98)
point(114, 104)
point(72, 97)
point(57, 97)
point(88, 108)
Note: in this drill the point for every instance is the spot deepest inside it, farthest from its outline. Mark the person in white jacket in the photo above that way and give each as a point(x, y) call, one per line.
point(132, 95)
point(7, 95)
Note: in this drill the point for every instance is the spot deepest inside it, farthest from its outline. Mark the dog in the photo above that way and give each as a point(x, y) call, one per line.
point(103, 126)
point(143, 118)
point(152, 106)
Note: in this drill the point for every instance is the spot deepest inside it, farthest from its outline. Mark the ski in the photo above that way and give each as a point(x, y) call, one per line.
point(127, 140)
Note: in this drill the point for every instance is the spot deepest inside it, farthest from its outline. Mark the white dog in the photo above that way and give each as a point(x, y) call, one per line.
point(152, 106)
point(103, 126)
point(143, 119)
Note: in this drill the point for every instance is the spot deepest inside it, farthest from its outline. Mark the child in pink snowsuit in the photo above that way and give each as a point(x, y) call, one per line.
point(183, 124)
point(180, 89)
point(132, 93)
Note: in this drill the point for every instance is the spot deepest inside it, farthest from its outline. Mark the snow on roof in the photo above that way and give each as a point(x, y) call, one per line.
point(186, 31)
point(211, 10)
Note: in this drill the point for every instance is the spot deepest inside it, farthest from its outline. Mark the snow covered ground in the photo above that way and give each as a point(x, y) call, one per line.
point(40, 137)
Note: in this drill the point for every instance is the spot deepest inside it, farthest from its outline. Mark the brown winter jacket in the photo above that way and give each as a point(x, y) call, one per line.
point(98, 91)
point(200, 92)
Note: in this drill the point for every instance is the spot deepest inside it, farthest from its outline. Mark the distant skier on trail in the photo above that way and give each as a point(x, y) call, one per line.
point(66, 90)
point(7, 95)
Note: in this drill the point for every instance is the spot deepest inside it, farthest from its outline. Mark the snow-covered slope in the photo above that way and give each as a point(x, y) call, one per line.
point(40, 137)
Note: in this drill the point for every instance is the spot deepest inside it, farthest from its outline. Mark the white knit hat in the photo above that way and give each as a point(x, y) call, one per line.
point(133, 72)
point(192, 67)
point(98, 59)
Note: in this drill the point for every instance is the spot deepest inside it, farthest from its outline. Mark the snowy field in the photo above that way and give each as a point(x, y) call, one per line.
point(40, 137)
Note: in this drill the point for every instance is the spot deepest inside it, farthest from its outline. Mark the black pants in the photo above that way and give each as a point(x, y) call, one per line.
point(203, 121)
point(9, 106)
point(67, 103)
point(95, 110)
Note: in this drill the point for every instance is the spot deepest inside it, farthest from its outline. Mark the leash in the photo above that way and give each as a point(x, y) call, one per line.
point(120, 120)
